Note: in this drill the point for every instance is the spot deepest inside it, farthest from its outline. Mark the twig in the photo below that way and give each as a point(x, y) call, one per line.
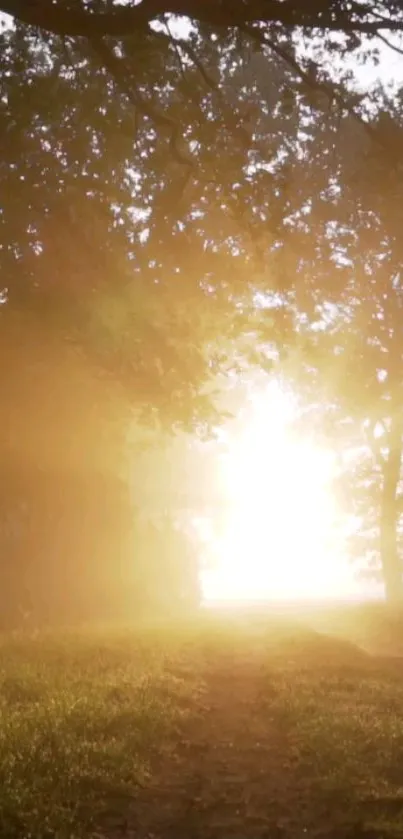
point(116, 67)
point(391, 46)
point(327, 87)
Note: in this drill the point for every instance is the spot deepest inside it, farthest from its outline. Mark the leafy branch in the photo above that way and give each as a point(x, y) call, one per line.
point(125, 20)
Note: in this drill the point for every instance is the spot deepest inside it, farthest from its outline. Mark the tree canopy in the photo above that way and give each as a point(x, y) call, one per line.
point(189, 188)
point(339, 15)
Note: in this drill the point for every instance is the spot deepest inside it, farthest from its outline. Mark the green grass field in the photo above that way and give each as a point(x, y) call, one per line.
point(230, 727)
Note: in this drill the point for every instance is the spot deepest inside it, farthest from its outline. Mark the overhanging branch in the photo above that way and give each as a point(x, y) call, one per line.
point(144, 106)
point(328, 88)
point(124, 20)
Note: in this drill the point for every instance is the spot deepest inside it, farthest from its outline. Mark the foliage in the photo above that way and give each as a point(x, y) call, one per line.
point(72, 20)
point(350, 343)
point(140, 248)
point(170, 212)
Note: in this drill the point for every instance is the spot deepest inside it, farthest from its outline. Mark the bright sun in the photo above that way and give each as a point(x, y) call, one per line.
point(280, 537)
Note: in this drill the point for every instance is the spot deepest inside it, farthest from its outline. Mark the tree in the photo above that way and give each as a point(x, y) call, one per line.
point(157, 207)
point(74, 21)
point(348, 341)
point(143, 30)
point(69, 259)
point(91, 330)
point(150, 175)
point(107, 241)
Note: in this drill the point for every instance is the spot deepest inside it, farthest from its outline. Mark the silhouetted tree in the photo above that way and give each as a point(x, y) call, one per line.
point(346, 347)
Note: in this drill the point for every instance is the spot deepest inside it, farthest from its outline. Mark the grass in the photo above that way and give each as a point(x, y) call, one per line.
point(80, 717)
point(346, 741)
point(225, 727)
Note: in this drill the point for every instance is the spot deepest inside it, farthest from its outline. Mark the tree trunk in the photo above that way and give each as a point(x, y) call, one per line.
point(392, 567)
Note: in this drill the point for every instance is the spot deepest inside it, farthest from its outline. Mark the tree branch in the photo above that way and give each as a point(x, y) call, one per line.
point(124, 20)
point(328, 88)
point(391, 46)
point(116, 68)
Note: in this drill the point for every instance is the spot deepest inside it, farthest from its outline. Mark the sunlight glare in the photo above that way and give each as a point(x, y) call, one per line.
point(280, 538)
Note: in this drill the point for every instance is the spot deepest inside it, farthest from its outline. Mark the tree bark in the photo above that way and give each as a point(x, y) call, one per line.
point(392, 566)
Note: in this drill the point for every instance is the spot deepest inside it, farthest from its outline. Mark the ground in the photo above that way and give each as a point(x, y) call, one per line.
point(228, 727)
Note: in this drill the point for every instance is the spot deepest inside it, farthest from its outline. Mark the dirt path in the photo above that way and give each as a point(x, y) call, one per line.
point(224, 774)
point(231, 773)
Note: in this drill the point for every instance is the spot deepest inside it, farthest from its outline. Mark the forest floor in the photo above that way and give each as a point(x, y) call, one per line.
point(237, 726)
